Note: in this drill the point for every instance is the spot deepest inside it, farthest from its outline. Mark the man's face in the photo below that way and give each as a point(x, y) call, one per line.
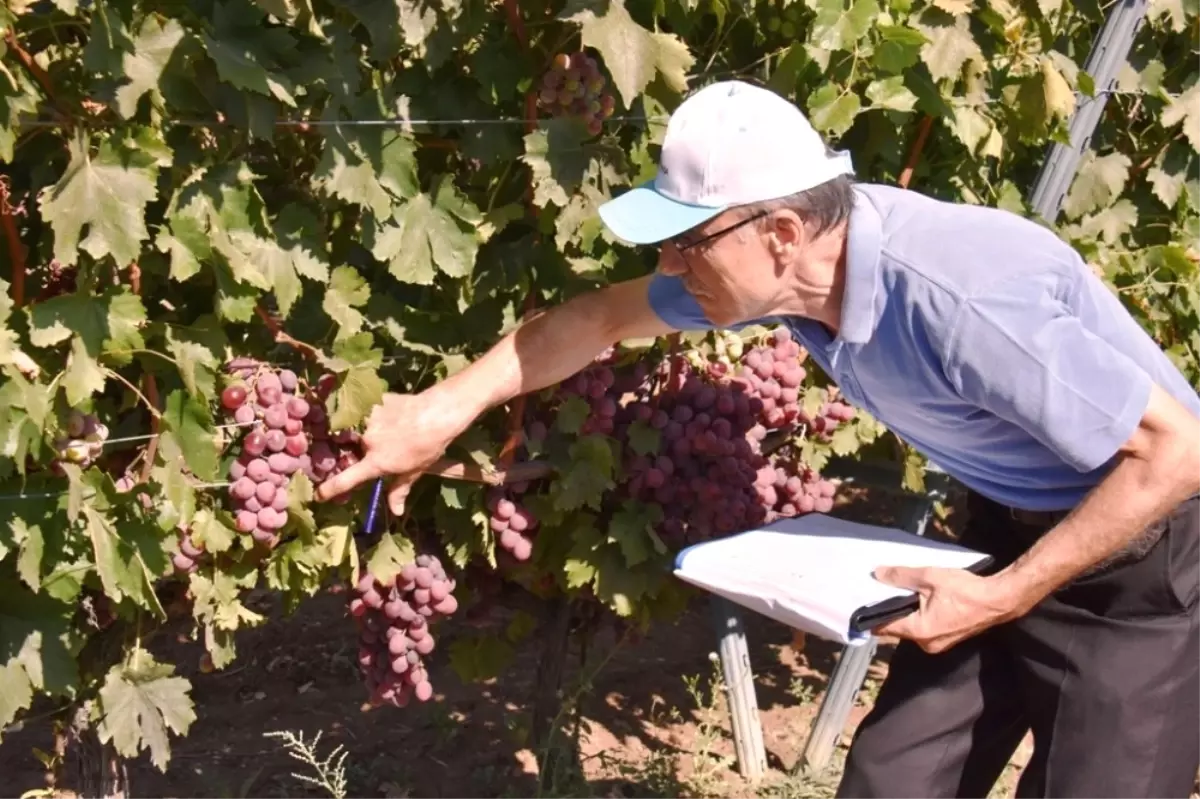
point(726, 265)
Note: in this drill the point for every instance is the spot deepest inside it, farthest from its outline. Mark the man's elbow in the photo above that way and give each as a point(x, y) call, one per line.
point(1167, 441)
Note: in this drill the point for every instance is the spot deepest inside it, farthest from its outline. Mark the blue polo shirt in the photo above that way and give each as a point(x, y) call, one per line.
point(982, 340)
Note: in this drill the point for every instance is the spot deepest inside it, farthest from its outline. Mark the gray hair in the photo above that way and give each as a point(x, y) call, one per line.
point(824, 206)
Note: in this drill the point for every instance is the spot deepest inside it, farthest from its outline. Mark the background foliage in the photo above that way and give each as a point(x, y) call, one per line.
point(185, 183)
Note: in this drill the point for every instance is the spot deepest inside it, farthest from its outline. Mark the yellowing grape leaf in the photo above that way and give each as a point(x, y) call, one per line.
point(632, 54)
point(1098, 182)
point(970, 126)
point(950, 43)
point(106, 193)
point(140, 702)
point(955, 7)
point(1111, 223)
point(389, 556)
point(152, 50)
point(1185, 108)
point(347, 291)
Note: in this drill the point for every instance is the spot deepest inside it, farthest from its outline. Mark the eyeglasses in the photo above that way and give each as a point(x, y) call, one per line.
point(720, 232)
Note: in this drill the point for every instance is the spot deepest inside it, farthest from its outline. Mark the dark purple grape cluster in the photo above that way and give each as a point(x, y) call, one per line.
point(395, 629)
point(574, 86)
point(286, 431)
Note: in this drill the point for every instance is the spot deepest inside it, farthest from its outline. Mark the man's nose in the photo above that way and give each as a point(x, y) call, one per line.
point(670, 260)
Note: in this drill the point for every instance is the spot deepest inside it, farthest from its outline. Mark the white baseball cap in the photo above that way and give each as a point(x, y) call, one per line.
point(729, 144)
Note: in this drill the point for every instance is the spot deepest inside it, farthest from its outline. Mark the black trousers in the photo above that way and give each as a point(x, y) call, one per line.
point(1105, 672)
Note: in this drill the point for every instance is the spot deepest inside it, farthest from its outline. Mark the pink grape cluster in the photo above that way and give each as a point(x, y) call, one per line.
point(574, 86)
point(773, 375)
point(187, 559)
point(792, 489)
point(513, 523)
point(394, 629)
point(286, 431)
point(707, 472)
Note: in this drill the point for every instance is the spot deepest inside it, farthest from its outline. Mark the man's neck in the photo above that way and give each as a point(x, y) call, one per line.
point(819, 280)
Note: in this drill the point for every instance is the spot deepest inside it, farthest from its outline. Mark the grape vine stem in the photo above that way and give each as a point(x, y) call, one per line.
point(154, 412)
point(16, 253)
point(281, 337)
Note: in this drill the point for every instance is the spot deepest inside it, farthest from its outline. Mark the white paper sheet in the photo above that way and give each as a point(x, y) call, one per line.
point(814, 571)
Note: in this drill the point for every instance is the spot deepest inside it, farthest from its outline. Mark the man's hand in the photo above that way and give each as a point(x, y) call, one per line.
point(404, 436)
point(955, 605)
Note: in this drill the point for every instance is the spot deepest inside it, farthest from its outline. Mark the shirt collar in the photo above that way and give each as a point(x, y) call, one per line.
point(864, 244)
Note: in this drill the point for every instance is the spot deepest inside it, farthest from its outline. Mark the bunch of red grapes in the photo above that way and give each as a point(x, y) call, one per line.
point(286, 430)
point(574, 86)
point(394, 629)
point(513, 523)
point(708, 473)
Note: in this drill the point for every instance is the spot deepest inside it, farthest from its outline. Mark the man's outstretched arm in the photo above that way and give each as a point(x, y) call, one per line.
point(408, 432)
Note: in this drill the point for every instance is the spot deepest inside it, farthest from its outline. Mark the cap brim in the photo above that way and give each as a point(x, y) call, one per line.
point(643, 216)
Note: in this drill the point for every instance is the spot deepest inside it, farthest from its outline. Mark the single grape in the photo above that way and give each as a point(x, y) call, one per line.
point(262, 536)
point(182, 562)
point(282, 463)
point(296, 445)
point(288, 380)
point(254, 443)
point(244, 415)
point(297, 408)
point(276, 440)
point(280, 501)
point(265, 492)
point(293, 427)
point(233, 396)
point(252, 504)
point(258, 469)
point(243, 488)
point(275, 417)
point(246, 521)
point(423, 691)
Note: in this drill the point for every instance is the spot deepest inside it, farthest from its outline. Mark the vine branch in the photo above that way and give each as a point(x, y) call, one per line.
point(914, 153)
point(281, 337)
point(16, 252)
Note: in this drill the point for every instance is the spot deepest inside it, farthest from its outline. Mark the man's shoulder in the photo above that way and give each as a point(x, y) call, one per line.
point(963, 248)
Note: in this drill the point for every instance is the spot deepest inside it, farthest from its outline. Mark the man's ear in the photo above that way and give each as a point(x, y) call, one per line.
point(786, 234)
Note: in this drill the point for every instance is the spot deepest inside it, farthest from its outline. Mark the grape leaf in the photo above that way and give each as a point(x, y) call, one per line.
point(618, 586)
point(949, 43)
point(643, 439)
point(35, 648)
point(193, 349)
point(347, 290)
point(892, 94)
point(217, 602)
point(832, 110)
point(360, 391)
point(107, 194)
point(1099, 181)
point(571, 415)
point(844, 441)
point(839, 28)
point(389, 556)
point(371, 168)
point(1111, 223)
point(121, 554)
point(480, 657)
point(1169, 174)
point(632, 54)
point(140, 702)
point(209, 532)
point(152, 50)
point(187, 420)
point(588, 475)
point(246, 64)
point(955, 7)
point(1185, 108)
point(970, 126)
point(425, 235)
point(631, 528)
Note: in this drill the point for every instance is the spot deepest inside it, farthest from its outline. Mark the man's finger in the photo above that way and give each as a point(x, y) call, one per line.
point(347, 479)
point(903, 577)
point(398, 493)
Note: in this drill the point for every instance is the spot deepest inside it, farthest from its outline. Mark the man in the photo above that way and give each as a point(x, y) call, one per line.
point(985, 342)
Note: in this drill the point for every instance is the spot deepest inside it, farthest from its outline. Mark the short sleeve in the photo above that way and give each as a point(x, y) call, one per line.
point(675, 306)
point(1021, 353)
point(679, 309)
